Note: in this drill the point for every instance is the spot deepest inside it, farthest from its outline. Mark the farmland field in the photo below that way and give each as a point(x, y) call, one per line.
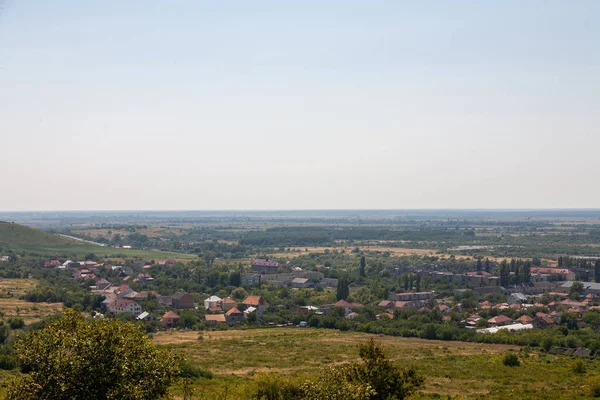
point(11, 306)
point(470, 370)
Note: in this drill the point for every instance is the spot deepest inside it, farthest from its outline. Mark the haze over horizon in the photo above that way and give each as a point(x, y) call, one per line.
point(145, 105)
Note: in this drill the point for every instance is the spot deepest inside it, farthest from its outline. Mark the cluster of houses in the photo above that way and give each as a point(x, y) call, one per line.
point(483, 278)
point(230, 312)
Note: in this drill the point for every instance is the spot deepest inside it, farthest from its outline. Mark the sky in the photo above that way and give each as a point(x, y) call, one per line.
point(209, 105)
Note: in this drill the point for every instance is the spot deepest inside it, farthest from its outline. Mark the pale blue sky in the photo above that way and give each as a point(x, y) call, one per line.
point(296, 105)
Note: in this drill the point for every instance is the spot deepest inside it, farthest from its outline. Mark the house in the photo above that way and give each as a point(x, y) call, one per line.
point(525, 319)
point(257, 302)
point(385, 303)
point(306, 309)
point(300, 283)
point(234, 316)
point(351, 315)
point(251, 279)
point(123, 290)
point(213, 319)
point(125, 305)
point(482, 291)
point(345, 305)
point(169, 319)
point(143, 278)
point(542, 321)
point(182, 301)
point(264, 266)
point(443, 308)
point(408, 296)
point(499, 320)
point(517, 298)
point(212, 302)
point(544, 274)
point(228, 303)
point(4, 259)
point(590, 287)
point(51, 264)
point(573, 304)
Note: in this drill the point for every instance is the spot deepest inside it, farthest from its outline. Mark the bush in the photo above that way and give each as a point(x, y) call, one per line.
point(595, 390)
point(511, 360)
point(579, 366)
point(187, 370)
point(16, 323)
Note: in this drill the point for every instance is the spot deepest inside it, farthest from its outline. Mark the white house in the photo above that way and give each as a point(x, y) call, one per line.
point(125, 305)
point(212, 302)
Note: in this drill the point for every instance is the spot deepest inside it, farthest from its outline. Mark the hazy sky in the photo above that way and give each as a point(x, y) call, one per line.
point(299, 104)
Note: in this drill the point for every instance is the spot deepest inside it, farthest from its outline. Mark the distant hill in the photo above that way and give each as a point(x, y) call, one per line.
point(22, 238)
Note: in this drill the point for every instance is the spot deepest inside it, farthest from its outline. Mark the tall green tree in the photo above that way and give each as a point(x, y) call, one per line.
point(73, 358)
point(597, 270)
point(363, 264)
point(526, 273)
point(343, 289)
point(478, 265)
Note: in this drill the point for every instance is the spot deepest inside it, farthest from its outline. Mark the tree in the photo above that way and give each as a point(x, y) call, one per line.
point(379, 373)
point(576, 290)
point(504, 274)
point(479, 265)
point(72, 358)
point(363, 264)
point(597, 271)
point(526, 273)
point(418, 283)
point(343, 289)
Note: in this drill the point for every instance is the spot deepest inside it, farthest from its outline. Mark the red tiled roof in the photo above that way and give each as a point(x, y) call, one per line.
point(500, 319)
point(234, 311)
point(170, 315)
point(255, 301)
point(215, 317)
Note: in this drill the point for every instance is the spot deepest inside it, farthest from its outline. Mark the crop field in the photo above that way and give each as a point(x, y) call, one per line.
point(11, 306)
point(470, 370)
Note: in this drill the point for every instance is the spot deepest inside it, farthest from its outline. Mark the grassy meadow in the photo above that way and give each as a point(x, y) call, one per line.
point(457, 369)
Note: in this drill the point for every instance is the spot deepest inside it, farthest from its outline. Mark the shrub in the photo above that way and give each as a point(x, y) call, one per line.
point(579, 366)
point(187, 370)
point(511, 360)
point(595, 390)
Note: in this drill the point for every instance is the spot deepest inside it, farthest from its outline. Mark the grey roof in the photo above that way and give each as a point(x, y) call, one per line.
point(587, 285)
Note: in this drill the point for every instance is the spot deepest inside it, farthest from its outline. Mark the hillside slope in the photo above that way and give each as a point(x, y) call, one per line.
point(22, 238)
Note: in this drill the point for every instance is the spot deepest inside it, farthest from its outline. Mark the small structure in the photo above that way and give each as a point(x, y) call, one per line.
point(213, 319)
point(125, 305)
point(234, 316)
point(257, 302)
point(517, 298)
point(169, 319)
point(228, 303)
point(182, 301)
point(212, 302)
point(499, 320)
point(300, 283)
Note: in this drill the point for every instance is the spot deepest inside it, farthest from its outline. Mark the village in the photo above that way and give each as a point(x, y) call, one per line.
point(549, 296)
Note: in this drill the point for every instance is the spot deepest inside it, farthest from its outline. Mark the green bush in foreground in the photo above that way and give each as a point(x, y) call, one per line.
point(72, 358)
point(375, 378)
point(511, 360)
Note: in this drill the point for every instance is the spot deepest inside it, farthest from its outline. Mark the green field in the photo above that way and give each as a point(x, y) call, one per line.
point(21, 238)
point(457, 369)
